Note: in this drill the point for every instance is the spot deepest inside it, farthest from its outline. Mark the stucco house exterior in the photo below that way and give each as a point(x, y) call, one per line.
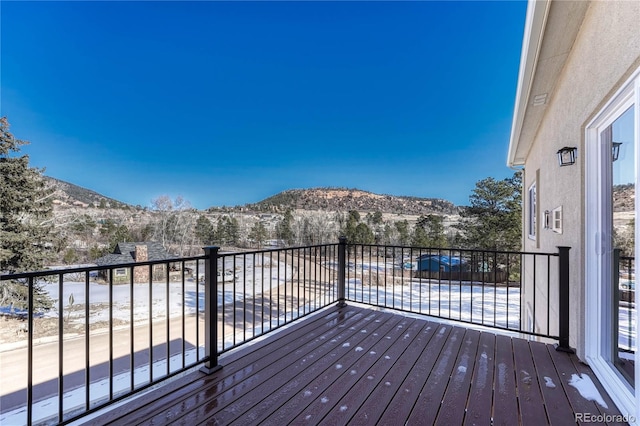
point(579, 89)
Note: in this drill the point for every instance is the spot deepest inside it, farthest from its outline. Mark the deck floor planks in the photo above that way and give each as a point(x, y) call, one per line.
point(530, 401)
point(320, 384)
point(481, 390)
point(378, 377)
point(452, 411)
point(240, 366)
point(284, 403)
point(400, 406)
point(428, 403)
point(611, 408)
point(505, 403)
point(341, 399)
point(420, 382)
point(372, 409)
point(555, 401)
point(566, 369)
point(278, 368)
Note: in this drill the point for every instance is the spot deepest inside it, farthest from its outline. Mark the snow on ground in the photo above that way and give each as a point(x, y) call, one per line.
point(487, 305)
point(257, 279)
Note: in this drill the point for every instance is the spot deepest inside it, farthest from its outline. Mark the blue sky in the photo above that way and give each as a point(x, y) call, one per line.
point(227, 103)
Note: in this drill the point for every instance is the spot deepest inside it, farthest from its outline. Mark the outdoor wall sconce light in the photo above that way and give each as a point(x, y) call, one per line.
point(567, 155)
point(615, 153)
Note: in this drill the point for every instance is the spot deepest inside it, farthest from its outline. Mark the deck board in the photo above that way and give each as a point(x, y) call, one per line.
point(371, 409)
point(557, 406)
point(354, 365)
point(452, 411)
point(428, 403)
point(375, 367)
point(505, 401)
point(529, 393)
point(400, 406)
point(582, 369)
point(316, 386)
point(482, 383)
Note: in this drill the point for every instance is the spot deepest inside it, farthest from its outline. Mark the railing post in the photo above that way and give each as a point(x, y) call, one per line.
point(211, 310)
point(563, 299)
point(342, 271)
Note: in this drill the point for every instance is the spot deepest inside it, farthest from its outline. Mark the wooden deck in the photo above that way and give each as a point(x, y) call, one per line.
point(359, 366)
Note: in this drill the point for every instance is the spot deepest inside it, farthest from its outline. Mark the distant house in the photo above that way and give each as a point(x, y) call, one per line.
point(458, 268)
point(438, 263)
point(576, 135)
point(132, 253)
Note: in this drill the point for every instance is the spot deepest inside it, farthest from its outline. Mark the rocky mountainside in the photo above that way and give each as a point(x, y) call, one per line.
point(318, 199)
point(624, 198)
point(66, 193)
point(342, 199)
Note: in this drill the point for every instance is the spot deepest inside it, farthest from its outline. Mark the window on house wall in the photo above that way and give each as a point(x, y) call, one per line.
point(556, 220)
point(531, 212)
point(120, 272)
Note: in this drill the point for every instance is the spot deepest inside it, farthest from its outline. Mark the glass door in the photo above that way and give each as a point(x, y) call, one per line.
point(618, 142)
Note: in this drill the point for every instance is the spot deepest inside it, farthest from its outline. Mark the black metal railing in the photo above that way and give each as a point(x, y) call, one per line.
point(624, 291)
point(119, 329)
point(260, 291)
point(112, 331)
point(512, 291)
point(133, 325)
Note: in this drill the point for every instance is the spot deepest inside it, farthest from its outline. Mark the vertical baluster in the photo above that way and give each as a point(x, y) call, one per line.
point(150, 308)
point(60, 347)
point(183, 316)
point(111, 333)
point(87, 331)
point(30, 353)
point(167, 317)
point(132, 364)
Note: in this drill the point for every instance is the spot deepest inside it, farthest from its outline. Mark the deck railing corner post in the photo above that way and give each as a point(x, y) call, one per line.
point(342, 271)
point(211, 310)
point(563, 300)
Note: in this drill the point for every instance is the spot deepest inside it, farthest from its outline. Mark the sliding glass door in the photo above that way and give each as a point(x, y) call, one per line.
point(618, 140)
point(611, 179)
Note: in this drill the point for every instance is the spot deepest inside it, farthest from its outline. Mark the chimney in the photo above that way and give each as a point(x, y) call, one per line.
point(141, 253)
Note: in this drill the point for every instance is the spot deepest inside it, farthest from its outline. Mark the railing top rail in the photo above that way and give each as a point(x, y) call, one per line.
point(56, 271)
point(454, 249)
point(276, 249)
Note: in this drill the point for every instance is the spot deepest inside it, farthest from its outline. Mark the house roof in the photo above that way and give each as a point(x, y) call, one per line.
point(125, 253)
point(551, 28)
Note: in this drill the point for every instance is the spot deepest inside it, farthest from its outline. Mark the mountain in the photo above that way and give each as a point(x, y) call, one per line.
point(325, 199)
point(624, 197)
point(66, 193)
point(343, 199)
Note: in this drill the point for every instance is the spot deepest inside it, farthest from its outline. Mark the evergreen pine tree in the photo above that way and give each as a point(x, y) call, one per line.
point(204, 230)
point(26, 225)
point(493, 221)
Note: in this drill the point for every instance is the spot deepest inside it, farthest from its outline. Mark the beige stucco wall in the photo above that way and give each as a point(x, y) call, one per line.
point(605, 53)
